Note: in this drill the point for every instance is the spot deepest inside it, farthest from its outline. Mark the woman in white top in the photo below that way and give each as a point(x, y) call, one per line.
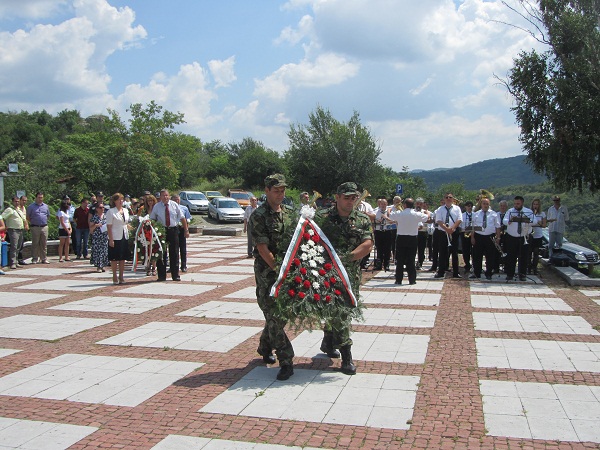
point(117, 219)
point(64, 231)
point(535, 242)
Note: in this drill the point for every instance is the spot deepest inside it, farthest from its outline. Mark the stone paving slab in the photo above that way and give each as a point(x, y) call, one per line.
point(202, 260)
point(184, 336)
point(212, 278)
point(506, 302)
point(400, 298)
point(590, 292)
point(16, 299)
point(95, 379)
point(168, 288)
point(47, 271)
point(511, 288)
point(9, 279)
point(435, 285)
point(65, 284)
point(249, 292)
point(230, 269)
point(123, 305)
point(244, 262)
point(397, 318)
point(225, 310)
point(174, 442)
point(533, 323)
point(326, 397)
point(33, 435)
point(7, 352)
point(24, 326)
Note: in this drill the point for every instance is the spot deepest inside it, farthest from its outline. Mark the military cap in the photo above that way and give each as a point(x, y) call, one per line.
point(347, 188)
point(275, 180)
point(99, 194)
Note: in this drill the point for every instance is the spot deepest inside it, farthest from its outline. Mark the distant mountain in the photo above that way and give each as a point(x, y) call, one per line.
point(491, 173)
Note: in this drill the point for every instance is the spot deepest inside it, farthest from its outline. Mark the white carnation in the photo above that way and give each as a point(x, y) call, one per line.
point(320, 248)
point(316, 286)
point(320, 259)
point(312, 263)
point(311, 243)
point(315, 273)
point(311, 232)
point(303, 256)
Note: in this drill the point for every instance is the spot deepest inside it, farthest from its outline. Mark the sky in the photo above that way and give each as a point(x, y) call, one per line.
point(421, 74)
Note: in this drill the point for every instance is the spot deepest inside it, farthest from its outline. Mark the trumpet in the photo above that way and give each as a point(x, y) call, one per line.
point(498, 246)
point(364, 195)
point(449, 236)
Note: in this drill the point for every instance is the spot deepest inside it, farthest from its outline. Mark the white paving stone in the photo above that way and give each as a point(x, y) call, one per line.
point(230, 269)
point(29, 434)
point(8, 279)
point(591, 292)
point(96, 379)
point(532, 323)
point(16, 299)
point(597, 302)
point(212, 278)
point(434, 285)
point(541, 410)
point(249, 292)
point(65, 284)
point(397, 348)
point(244, 262)
point(374, 400)
point(184, 336)
point(107, 276)
point(124, 305)
point(168, 288)
point(202, 260)
point(506, 302)
point(237, 251)
point(7, 351)
point(538, 355)
point(25, 326)
point(222, 255)
point(398, 318)
point(177, 442)
point(511, 288)
point(40, 271)
point(400, 298)
point(225, 310)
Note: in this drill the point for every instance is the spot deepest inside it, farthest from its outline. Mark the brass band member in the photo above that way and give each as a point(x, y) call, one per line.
point(448, 218)
point(467, 223)
point(422, 235)
point(536, 238)
point(517, 221)
point(383, 239)
point(482, 240)
point(500, 234)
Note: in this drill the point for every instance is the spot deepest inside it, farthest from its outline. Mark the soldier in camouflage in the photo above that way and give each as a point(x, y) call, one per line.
point(351, 235)
point(270, 222)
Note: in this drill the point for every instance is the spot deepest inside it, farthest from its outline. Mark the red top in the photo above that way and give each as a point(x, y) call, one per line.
point(81, 217)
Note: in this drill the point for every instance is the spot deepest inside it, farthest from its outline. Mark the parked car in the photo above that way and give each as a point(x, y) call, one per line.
point(578, 256)
point(225, 209)
point(242, 197)
point(213, 194)
point(195, 201)
point(286, 200)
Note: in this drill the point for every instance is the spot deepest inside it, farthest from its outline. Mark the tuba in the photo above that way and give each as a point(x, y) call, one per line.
point(313, 201)
point(364, 195)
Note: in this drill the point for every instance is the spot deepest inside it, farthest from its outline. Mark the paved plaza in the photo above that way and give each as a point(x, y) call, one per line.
point(442, 364)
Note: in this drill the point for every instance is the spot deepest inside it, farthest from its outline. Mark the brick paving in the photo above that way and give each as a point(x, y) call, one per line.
point(443, 364)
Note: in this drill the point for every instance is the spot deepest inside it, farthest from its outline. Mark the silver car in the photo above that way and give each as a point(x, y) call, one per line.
point(225, 209)
point(195, 201)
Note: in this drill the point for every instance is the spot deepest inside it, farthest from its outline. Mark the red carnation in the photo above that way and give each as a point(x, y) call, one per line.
point(327, 266)
point(301, 294)
point(326, 284)
point(327, 298)
point(298, 280)
point(291, 292)
point(316, 238)
point(296, 262)
point(322, 272)
point(307, 284)
point(306, 236)
point(303, 270)
point(317, 297)
point(333, 280)
point(337, 292)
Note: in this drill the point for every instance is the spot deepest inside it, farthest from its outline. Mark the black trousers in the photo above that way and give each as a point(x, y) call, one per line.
point(383, 245)
point(466, 250)
point(170, 256)
point(499, 259)
point(516, 249)
point(446, 250)
point(435, 246)
point(484, 246)
point(421, 244)
point(182, 247)
point(406, 250)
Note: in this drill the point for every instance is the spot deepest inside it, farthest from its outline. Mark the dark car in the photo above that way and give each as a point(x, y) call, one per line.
point(576, 256)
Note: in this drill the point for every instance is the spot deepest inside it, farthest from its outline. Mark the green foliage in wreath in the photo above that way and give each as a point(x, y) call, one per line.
point(144, 235)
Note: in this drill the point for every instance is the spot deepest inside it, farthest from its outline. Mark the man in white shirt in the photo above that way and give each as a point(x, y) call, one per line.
point(168, 213)
point(383, 239)
point(465, 236)
point(482, 240)
point(448, 217)
point(518, 221)
point(408, 221)
point(181, 231)
point(556, 218)
point(369, 211)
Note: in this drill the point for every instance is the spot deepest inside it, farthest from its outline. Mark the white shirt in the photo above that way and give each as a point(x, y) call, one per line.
point(561, 215)
point(537, 231)
point(467, 219)
point(408, 221)
point(119, 225)
point(248, 212)
point(512, 228)
point(381, 224)
point(455, 215)
point(65, 216)
point(365, 207)
point(491, 222)
point(175, 214)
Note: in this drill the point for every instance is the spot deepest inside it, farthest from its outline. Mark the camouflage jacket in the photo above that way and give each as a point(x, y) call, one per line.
point(273, 228)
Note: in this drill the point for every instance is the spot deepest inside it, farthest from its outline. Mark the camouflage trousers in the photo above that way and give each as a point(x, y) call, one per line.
point(273, 336)
point(339, 328)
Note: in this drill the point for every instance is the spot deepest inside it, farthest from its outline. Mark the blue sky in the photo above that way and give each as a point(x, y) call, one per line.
point(420, 74)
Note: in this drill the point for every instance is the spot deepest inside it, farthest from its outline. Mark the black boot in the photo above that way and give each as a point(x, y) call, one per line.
point(268, 357)
point(348, 366)
point(285, 372)
point(327, 345)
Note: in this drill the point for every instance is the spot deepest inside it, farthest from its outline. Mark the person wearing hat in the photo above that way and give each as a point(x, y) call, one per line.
point(269, 222)
point(556, 217)
point(351, 235)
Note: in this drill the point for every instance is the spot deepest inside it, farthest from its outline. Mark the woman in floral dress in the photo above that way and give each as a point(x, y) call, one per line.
point(99, 238)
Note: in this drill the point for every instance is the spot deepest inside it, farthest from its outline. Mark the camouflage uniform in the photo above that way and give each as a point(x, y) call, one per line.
point(345, 234)
point(268, 227)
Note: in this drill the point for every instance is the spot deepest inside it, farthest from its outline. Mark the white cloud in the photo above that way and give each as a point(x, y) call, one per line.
point(29, 9)
point(222, 71)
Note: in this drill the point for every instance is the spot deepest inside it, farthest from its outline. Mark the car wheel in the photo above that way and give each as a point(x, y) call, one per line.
point(219, 218)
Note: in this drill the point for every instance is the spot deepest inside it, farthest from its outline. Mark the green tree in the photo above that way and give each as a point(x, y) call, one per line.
point(251, 161)
point(327, 152)
point(557, 93)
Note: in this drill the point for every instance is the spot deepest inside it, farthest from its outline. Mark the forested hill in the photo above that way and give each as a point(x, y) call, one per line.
point(490, 174)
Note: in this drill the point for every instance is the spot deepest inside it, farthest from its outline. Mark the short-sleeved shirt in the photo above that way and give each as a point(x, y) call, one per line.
point(159, 213)
point(38, 214)
point(14, 218)
point(269, 227)
point(65, 216)
point(82, 218)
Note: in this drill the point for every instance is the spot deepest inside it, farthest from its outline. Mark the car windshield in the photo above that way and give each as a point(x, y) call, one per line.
point(214, 193)
point(240, 195)
point(196, 196)
point(228, 204)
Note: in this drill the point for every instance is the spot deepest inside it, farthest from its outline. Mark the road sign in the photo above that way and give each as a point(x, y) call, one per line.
point(398, 189)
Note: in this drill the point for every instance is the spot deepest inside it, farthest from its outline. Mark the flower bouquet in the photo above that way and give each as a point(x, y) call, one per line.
point(313, 285)
point(148, 241)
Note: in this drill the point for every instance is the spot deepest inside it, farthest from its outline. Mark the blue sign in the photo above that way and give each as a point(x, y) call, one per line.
point(398, 189)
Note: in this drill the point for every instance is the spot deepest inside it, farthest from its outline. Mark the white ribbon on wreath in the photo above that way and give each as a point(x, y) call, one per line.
point(140, 237)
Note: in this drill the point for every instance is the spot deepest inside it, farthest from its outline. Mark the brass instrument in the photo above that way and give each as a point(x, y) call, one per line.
point(313, 200)
point(483, 193)
point(364, 195)
point(498, 246)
